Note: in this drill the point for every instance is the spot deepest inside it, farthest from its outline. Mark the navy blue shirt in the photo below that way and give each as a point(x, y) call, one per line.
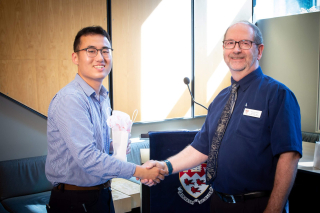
point(251, 146)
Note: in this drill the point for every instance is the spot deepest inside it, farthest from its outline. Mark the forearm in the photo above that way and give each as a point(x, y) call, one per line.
point(187, 159)
point(284, 179)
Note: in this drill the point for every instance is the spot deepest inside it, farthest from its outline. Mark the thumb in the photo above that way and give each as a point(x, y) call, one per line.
point(150, 164)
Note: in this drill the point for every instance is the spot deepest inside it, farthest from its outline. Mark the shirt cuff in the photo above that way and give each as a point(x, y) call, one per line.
point(127, 171)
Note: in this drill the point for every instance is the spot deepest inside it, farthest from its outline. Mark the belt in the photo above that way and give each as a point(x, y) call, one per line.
point(64, 186)
point(240, 198)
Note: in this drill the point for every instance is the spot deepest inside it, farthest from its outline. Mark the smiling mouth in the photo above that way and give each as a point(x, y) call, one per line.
point(237, 58)
point(99, 67)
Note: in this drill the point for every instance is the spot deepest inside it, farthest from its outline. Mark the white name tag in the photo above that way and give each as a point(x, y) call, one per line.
point(252, 112)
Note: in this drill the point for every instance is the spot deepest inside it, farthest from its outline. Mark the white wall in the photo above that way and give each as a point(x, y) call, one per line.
point(22, 132)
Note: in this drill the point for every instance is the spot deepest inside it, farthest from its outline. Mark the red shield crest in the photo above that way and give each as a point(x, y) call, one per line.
point(193, 180)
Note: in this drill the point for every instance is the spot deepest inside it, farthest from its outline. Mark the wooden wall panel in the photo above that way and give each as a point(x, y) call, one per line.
point(36, 39)
point(11, 71)
point(48, 81)
point(127, 19)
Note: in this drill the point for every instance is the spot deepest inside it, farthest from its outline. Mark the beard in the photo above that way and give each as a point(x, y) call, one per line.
point(242, 65)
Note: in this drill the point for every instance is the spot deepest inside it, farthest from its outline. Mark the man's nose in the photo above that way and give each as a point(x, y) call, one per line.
point(237, 48)
point(99, 55)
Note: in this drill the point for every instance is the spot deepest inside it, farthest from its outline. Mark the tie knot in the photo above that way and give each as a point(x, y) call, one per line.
point(235, 87)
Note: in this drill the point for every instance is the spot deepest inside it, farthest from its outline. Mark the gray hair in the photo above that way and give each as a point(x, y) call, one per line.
point(257, 33)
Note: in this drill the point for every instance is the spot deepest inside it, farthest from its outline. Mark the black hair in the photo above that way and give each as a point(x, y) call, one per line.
point(92, 30)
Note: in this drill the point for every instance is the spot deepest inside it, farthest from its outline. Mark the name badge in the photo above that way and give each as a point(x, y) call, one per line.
point(252, 112)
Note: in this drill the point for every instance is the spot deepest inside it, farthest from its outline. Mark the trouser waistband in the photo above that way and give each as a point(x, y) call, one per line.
point(64, 186)
point(242, 197)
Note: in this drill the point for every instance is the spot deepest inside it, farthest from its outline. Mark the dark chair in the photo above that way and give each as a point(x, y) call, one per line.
point(23, 185)
point(310, 137)
point(2, 210)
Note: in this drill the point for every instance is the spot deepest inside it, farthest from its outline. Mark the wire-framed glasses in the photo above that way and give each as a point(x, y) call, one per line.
point(243, 44)
point(93, 52)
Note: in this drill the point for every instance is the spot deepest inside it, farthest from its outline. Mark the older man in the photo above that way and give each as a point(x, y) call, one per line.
point(251, 138)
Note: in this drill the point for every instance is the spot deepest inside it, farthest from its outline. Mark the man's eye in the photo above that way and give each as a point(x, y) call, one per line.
point(91, 51)
point(246, 42)
point(105, 51)
point(229, 42)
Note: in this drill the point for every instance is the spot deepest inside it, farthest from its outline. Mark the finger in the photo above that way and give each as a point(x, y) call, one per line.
point(160, 165)
point(163, 172)
point(156, 180)
point(161, 177)
point(144, 181)
point(152, 183)
point(148, 183)
point(150, 164)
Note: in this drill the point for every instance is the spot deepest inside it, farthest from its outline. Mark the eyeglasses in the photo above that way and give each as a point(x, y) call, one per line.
point(243, 44)
point(93, 52)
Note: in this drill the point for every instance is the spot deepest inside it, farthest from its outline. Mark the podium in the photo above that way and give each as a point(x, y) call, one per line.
point(181, 192)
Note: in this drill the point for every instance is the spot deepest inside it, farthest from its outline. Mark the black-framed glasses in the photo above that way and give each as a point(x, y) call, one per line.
point(243, 44)
point(93, 52)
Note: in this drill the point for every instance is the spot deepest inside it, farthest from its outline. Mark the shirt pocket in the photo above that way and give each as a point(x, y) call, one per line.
point(251, 127)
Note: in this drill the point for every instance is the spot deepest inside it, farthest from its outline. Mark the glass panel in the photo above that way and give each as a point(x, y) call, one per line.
point(274, 8)
point(211, 19)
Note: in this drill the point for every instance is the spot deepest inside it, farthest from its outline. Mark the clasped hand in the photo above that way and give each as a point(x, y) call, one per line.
point(151, 165)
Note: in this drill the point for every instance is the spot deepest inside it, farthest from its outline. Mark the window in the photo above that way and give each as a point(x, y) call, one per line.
point(152, 55)
point(274, 8)
point(153, 42)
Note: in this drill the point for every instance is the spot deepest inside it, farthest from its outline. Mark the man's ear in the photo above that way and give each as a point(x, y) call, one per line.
point(260, 50)
point(75, 58)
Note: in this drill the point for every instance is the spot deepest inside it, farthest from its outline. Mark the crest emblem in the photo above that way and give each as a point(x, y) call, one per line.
point(193, 181)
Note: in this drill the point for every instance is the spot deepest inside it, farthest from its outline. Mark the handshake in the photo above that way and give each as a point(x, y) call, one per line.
point(151, 172)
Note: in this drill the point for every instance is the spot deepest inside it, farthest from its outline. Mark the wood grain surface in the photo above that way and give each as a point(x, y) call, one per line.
point(36, 38)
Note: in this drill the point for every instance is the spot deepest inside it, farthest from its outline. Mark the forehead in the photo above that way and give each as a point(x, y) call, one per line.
point(239, 32)
point(95, 40)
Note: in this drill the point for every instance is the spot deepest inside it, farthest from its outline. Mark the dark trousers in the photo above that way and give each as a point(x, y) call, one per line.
point(80, 201)
point(256, 205)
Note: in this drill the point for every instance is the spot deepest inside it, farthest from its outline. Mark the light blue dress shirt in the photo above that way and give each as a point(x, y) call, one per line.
point(78, 138)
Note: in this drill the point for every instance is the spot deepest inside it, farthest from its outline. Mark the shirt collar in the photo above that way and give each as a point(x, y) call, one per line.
point(244, 83)
point(89, 90)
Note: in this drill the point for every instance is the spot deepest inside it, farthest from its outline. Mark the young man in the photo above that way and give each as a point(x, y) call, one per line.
point(255, 159)
point(78, 162)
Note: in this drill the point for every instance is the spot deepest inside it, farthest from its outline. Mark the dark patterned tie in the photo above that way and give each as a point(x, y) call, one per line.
point(212, 163)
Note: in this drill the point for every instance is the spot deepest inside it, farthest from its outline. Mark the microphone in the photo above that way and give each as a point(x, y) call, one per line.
point(186, 80)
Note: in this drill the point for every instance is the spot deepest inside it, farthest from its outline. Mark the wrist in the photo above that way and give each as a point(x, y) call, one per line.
point(169, 167)
point(138, 172)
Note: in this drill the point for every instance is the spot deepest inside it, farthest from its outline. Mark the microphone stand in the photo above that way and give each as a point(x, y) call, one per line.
point(194, 100)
